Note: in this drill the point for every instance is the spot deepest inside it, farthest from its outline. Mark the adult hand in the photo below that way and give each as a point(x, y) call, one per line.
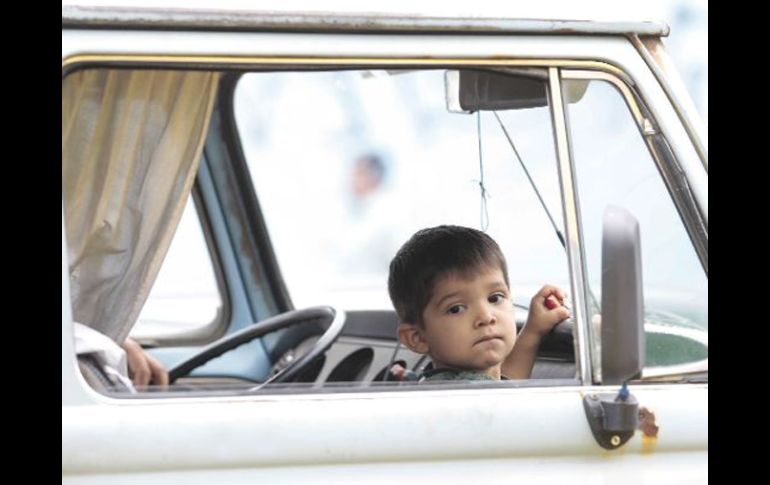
point(143, 368)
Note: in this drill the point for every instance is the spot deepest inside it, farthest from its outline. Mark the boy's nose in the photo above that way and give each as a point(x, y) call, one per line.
point(485, 316)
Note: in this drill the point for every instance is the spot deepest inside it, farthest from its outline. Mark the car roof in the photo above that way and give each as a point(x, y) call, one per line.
point(396, 18)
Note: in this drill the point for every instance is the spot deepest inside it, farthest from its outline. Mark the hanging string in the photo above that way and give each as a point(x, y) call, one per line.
point(484, 216)
point(531, 182)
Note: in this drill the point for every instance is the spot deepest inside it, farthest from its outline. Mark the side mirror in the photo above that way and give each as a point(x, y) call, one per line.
point(622, 319)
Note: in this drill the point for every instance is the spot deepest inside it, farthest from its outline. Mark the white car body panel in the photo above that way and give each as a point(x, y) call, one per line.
point(345, 429)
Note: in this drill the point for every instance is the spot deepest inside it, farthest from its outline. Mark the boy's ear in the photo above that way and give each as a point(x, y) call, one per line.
point(411, 335)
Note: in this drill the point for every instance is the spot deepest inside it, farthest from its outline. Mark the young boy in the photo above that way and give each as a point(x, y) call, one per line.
point(449, 285)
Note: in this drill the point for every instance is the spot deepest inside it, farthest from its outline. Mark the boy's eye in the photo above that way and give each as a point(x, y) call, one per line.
point(496, 298)
point(455, 309)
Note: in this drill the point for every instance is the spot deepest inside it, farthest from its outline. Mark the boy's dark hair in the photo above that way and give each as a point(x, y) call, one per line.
point(434, 252)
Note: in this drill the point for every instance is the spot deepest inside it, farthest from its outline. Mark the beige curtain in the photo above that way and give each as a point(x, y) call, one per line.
point(131, 146)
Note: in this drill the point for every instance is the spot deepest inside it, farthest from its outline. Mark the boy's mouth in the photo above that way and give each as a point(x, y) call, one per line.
point(488, 338)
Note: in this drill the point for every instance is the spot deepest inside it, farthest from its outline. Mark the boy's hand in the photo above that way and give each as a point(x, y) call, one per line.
point(546, 310)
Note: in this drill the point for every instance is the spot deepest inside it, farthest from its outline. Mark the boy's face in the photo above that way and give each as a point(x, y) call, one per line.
point(469, 322)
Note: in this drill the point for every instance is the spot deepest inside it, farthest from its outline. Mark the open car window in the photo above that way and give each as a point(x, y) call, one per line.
point(309, 181)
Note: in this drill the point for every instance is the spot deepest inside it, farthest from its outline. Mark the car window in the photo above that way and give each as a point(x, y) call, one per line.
point(619, 170)
point(185, 302)
point(348, 165)
point(345, 166)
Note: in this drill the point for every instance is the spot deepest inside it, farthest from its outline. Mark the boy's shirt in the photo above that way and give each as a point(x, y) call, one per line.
point(455, 375)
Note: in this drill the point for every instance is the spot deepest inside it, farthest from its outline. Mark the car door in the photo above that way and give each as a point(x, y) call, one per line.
point(534, 430)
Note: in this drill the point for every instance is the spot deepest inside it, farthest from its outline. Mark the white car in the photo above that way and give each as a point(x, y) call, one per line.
point(303, 149)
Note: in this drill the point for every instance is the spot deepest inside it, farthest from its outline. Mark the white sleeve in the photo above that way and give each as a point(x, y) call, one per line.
point(108, 354)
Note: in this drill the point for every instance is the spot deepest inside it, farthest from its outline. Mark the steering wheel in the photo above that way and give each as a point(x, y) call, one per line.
point(327, 319)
